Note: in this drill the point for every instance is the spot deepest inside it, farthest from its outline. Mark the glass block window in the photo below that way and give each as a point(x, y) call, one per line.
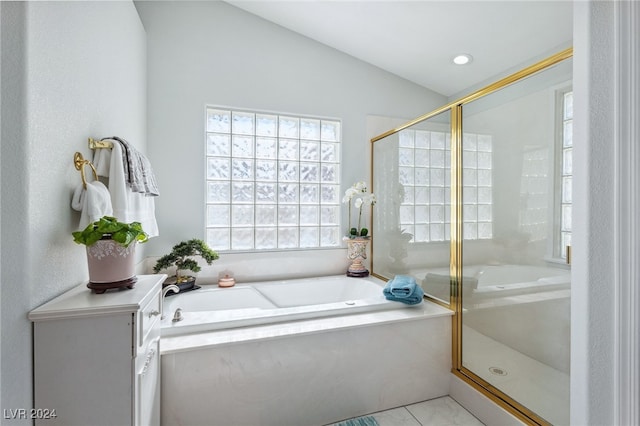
point(477, 191)
point(534, 202)
point(272, 181)
point(425, 175)
point(566, 173)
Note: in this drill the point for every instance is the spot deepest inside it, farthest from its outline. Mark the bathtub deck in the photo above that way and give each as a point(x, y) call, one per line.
point(175, 344)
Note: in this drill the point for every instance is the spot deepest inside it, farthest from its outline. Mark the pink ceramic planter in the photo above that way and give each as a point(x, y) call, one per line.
point(111, 265)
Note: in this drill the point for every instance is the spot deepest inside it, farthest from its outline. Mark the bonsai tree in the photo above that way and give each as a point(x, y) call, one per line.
point(108, 227)
point(180, 258)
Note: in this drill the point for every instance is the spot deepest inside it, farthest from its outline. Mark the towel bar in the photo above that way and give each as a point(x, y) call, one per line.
point(80, 162)
point(98, 144)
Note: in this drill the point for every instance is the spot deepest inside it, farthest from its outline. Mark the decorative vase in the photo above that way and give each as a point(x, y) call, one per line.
point(356, 253)
point(111, 265)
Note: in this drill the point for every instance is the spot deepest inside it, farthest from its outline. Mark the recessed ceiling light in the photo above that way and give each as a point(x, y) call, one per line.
point(462, 59)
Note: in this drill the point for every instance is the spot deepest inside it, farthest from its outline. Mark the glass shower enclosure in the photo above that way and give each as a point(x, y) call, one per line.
point(474, 201)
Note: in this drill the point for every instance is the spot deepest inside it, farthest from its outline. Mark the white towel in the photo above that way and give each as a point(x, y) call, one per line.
point(94, 202)
point(102, 161)
point(127, 205)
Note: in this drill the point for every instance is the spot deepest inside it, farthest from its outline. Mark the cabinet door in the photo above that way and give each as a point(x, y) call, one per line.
point(148, 385)
point(82, 369)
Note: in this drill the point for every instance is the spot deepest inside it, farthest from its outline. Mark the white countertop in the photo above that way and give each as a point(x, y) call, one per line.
point(81, 301)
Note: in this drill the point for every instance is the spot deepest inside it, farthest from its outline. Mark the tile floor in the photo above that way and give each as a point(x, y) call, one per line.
point(435, 412)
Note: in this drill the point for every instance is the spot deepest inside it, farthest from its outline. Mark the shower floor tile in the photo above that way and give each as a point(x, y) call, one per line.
point(539, 387)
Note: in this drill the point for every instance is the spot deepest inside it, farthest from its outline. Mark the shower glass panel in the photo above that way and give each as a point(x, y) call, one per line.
point(474, 201)
point(411, 180)
point(516, 285)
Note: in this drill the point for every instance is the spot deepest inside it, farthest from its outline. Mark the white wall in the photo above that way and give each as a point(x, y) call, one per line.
point(70, 70)
point(593, 271)
point(605, 305)
point(0, 205)
point(203, 53)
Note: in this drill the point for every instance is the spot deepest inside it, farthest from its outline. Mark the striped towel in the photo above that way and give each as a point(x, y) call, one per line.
point(138, 172)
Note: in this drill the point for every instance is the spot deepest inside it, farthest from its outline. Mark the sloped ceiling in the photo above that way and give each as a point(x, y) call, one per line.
point(416, 40)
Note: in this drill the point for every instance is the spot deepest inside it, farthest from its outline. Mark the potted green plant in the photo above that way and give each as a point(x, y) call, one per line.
point(181, 257)
point(111, 252)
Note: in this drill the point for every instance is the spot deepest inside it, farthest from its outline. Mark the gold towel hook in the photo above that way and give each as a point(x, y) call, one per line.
point(80, 162)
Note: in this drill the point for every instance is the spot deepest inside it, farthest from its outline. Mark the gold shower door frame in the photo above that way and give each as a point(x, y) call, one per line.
point(456, 236)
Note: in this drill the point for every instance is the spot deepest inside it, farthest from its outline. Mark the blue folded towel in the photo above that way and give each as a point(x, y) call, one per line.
point(402, 285)
point(403, 288)
point(359, 421)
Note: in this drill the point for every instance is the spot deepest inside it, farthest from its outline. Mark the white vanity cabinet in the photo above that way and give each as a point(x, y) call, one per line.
point(97, 356)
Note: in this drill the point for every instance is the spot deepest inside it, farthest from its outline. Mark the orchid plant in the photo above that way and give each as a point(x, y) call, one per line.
point(360, 197)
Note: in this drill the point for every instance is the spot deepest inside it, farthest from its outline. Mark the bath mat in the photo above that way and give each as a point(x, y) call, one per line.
point(359, 421)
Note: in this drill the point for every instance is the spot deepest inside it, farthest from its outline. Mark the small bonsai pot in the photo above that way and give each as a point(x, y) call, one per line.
point(184, 283)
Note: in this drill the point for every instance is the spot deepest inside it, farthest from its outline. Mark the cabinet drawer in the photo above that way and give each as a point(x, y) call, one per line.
point(149, 318)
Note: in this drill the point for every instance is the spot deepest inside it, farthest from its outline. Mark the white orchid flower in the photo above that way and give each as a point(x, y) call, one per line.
point(348, 194)
point(360, 186)
point(358, 193)
point(371, 199)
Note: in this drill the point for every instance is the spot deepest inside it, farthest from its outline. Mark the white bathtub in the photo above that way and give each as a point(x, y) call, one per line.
point(262, 303)
point(510, 279)
point(335, 349)
point(496, 280)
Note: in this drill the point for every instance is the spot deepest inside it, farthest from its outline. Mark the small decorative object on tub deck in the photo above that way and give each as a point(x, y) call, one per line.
point(180, 257)
point(226, 281)
point(111, 252)
point(403, 288)
point(357, 237)
point(356, 253)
